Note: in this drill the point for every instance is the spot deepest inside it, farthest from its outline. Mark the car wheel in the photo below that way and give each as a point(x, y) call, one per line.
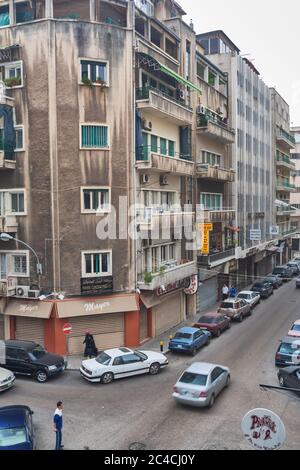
point(227, 381)
point(107, 378)
point(218, 333)
point(41, 376)
point(194, 352)
point(211, 401)
point(282, 381)
point(154, 368)
point(241, 318)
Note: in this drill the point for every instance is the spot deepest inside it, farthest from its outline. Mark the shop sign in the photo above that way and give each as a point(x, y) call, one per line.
point(205, 240)
point(96, 285)
point(193, 287)
point(182, 284)
point(274, 230)
point(255, 235)
point(263, 429)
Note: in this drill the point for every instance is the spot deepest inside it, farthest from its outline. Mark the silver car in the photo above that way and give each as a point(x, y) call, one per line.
point(200, 384)
point(7, 379)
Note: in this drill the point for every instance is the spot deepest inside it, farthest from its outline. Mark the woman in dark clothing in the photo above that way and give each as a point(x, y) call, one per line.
point(90, 349)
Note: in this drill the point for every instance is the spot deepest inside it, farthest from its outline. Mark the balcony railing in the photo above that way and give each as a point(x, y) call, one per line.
point(290, 231)
point(283, 158)
point(173, 272)
point(285, 210)
point(163, 218)
point(144, 94)
point(285, 185)
point(217, 215)
point(204, 119)
point(216, 127)
point(216, 173)
point(282, 134)
point(7, 163)
point(214, 258)
point(145, 6)
point(144, 152)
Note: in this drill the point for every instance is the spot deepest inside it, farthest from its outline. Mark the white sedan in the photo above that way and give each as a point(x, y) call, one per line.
point(252, 298)
point(7, 379)
point(122, 362)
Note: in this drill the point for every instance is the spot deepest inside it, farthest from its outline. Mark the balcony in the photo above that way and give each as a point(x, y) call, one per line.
point(286, 139)
point(215, 173)
point(283, 160)
point(163, 219)
point(283, 185)
point(215, 127)
point(285, 209)
point(9, 224)
point(156, 101)
point(217, 215)
point(145, 6)
point(179, 164)
point(5, 163)
point(216, 258)
point(174, 272)
point(288, 232)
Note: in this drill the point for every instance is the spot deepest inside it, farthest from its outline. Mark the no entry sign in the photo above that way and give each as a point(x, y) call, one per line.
point(67, 328)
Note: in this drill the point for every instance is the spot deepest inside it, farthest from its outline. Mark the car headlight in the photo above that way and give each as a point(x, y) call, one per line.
point(52, 367)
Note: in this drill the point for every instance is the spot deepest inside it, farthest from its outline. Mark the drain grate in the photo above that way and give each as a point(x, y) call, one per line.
point(137, 446)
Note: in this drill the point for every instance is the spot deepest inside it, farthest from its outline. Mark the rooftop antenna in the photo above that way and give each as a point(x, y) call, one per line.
point(192, 24)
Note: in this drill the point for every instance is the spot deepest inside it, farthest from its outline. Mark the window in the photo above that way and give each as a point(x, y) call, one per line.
point(12, 202)
point(212, 78)
point(211, 158)
point(19, 264)
point(163, 146)
point(19, 138)
point(212, 201)
point(154, 147)
point(96, 264)
point(171, 148)
point(171, 48)
point(214, 46)
point(4, 15)
point(14, 263)
point(12, 74)
point(94, 136)
point(155, 37)
point(95, 200)
point(163, 253)
point(201, 70)
point(95, 72)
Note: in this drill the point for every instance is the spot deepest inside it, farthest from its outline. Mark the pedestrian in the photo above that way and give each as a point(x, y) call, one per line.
point(58, 424)
point(225, 292)
point(90, 349)
point(233, 292)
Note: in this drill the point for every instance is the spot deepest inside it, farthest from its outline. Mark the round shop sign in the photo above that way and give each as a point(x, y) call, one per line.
point(193, 285)
point(67, 328)
point(263, 429)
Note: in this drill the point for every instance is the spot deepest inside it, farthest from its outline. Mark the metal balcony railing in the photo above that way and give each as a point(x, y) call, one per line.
point(285, 183)
point(143, 153)
point(281, 133)
point(144, 94)
point(282, 157)
point(213, 258)
point(204, 119)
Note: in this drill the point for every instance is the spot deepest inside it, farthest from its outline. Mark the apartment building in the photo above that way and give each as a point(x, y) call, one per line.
point(252, 159)
point(97, 104)
point(295, 196)
point(283, 144)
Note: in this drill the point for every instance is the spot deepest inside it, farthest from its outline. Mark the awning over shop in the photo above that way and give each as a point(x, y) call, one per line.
point(29, 308)
point(97, 306)
point(150, 299)
point(156, 65)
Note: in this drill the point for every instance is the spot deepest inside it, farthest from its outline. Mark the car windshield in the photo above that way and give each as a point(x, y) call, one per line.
point(194, 379)
point(243, 296)
point(208, 320)
point(296, 328)
point(258, 286)
point(289, 348)
point(37, 352)
point(12, 437)
point(183, 336)
point(271, 278)
point(279, 270)
point(141, 355)
point(103, 359)
point(227, 305)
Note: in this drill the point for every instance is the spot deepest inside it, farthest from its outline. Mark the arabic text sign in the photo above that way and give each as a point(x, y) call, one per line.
point(263, 429)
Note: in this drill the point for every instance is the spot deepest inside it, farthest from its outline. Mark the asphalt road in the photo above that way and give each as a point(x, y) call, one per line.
point(141, 409)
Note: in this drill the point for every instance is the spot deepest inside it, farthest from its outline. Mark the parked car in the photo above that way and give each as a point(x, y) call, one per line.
point(200, 384)
point(29, 358)
point(122, 362)
point(215, 323)
point(7, 379)
point(295, 267)
point(264, 289)
point(288, 352)
point(16, 428)
point(190, 340)
point(289, 377)
point(298, 283)
point(284, 272)
point(252, 298)
point(276, 281)
point(235, 309)
point(295, 330)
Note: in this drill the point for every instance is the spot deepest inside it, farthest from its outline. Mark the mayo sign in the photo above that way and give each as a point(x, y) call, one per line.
point(263, 429)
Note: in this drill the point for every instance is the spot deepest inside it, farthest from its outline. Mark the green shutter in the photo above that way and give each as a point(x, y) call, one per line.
point(171, 148)
point(154, 143)
point(163, 146)
point(94, 136)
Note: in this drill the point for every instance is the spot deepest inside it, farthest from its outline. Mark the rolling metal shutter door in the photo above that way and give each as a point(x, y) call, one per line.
point(168, 314)
point(1, 326)
point(143, 323)
point(207, 294)
point(107, 330)
point(30, 329)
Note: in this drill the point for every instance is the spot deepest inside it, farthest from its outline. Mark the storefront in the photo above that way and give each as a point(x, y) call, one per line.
point(207, 293)
point(167, 310)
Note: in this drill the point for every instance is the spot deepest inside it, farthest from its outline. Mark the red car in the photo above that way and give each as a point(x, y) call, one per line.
point(215, 323)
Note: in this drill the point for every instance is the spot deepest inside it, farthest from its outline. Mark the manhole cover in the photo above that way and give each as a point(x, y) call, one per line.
point(137, 446)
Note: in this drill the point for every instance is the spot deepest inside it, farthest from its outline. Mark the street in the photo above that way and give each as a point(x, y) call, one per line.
point(141, 409)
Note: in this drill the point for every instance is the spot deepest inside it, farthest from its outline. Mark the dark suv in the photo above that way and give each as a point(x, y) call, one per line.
point(29, 358)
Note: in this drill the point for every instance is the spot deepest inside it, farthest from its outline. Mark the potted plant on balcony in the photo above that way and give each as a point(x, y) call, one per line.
point(162, 270)
point(12, 81)
point(100, 81)
point(148, 278)
point(87, 81)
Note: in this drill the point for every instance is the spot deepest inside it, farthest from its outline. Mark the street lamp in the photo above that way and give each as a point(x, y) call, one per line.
point(54, 294)
point(5, 237)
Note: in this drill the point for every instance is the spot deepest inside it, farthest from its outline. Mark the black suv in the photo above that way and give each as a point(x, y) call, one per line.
point(29, 358)
point(264, 289)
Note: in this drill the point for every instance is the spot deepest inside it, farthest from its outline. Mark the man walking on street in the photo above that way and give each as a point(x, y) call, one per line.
point(58, 424)
point(225, 292)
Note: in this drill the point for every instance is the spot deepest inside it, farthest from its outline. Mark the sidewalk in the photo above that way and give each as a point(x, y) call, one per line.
point(152, 344)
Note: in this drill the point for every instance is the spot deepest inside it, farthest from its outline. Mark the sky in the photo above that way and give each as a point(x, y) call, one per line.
point(267, 30)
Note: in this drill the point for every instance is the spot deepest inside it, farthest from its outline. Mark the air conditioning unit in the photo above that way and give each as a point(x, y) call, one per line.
point(22, 291)
point(33, 294)
point(163, 180)
point(145, 179)
point(201, 109)
point(147, 125)
point(182, 94)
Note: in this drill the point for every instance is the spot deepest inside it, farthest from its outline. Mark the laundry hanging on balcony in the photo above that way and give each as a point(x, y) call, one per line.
point(146, 59)
point(9, 135)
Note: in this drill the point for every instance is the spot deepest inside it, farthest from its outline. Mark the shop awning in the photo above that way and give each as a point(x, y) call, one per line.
point(150, 299)
point(146, 59)
point(29, 308)
point(97, 306)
